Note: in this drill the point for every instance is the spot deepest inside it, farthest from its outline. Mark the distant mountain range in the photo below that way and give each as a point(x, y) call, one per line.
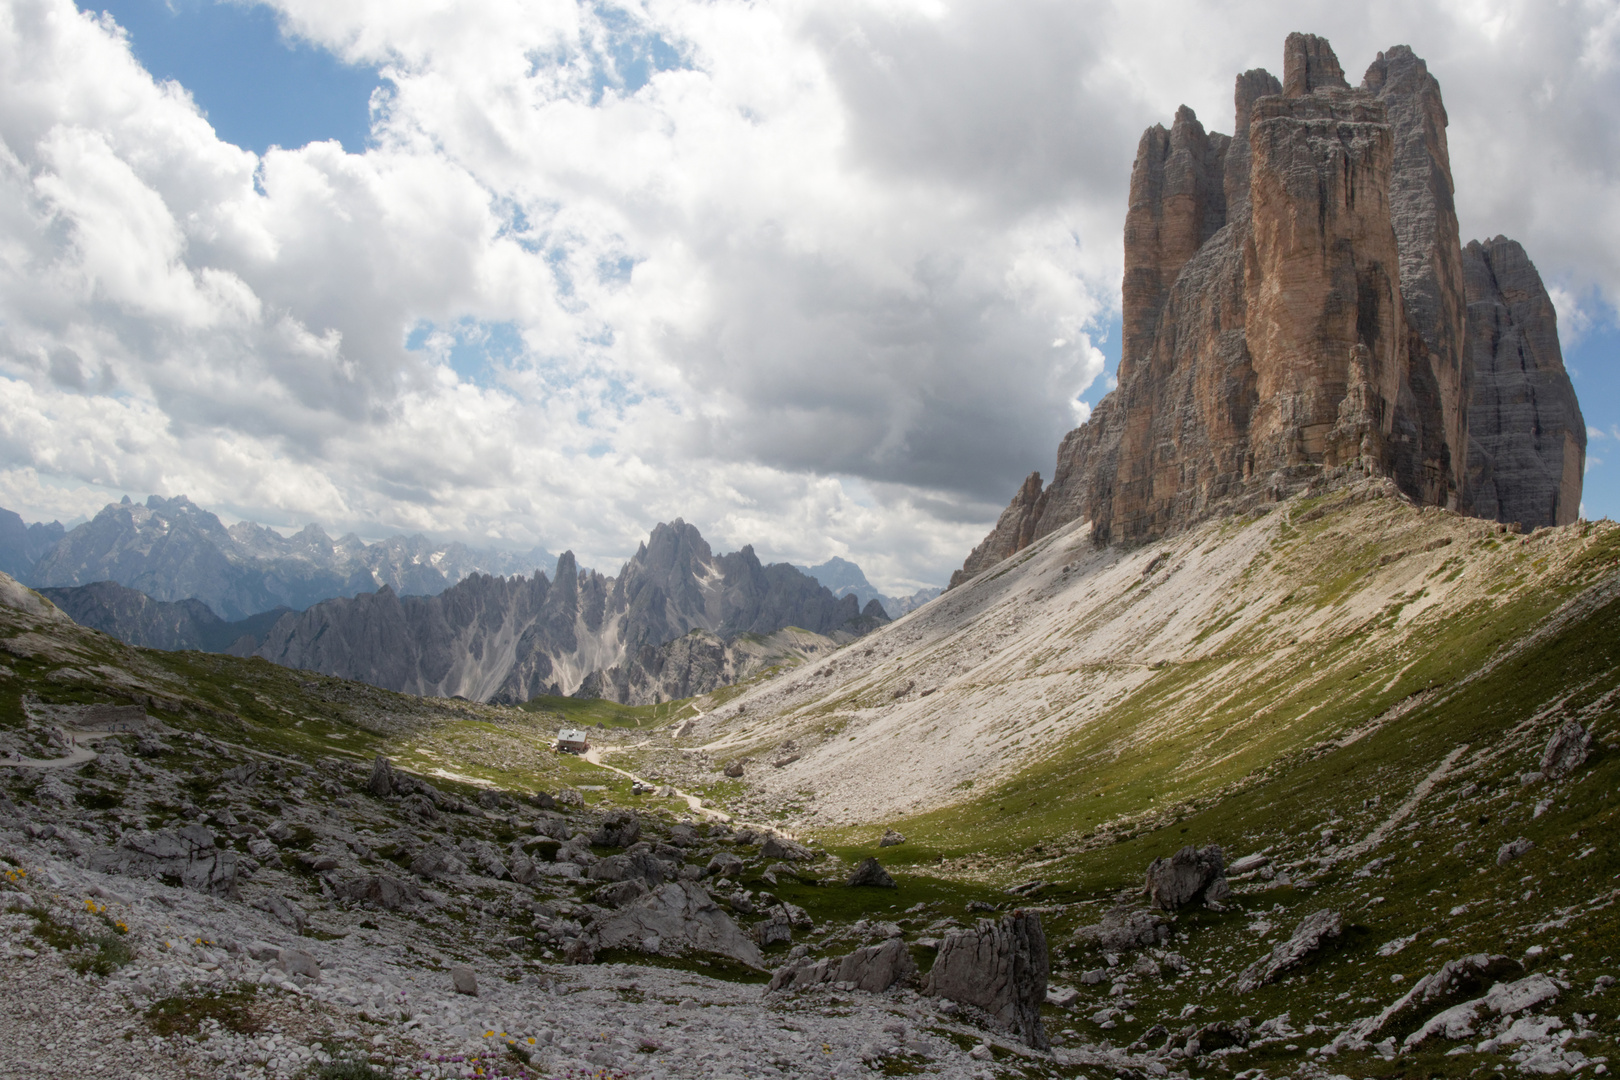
point(510, 639)
point(676, 620)
point(846, 578)
point(173, 550)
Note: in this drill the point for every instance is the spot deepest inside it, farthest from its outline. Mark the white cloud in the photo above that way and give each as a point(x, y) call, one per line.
point(827, 280)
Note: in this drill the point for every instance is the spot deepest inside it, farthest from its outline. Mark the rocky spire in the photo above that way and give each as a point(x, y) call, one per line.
point(1295, 312)
point(1310, 65)
point(1527, 438)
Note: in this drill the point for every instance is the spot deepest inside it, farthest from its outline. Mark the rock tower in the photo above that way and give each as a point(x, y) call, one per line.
point(1298, 309)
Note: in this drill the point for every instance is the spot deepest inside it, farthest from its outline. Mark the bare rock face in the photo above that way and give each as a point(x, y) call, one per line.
point(1527, 438)
point(1012, 533)
point(1299, 311)
point(999, 967)
point(187, 855)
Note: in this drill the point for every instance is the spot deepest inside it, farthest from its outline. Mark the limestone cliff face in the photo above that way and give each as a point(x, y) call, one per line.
point(1526, 435)
point(1295, 313)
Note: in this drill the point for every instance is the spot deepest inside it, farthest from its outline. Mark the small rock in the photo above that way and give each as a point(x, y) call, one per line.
point(734, 769)
point(870, 872)
point(1062, 996)
point(891, 838)
point(463, 980)
point(1248, 863)
point(980, 1053)
point(1513, 849)
point(298, 962)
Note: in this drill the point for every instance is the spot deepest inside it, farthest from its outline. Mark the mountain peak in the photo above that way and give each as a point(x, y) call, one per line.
point(1299, 314)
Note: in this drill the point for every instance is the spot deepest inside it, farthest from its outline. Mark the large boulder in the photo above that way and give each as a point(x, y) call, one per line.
point(381, 783)
point(380, 889)
point(873, 968)
point(620, 829)
point(999, 967)
point(870, 872)
point(187, 856)
point(641, 866)
point(1124, 928)
point(777, 847)
point(1307, 937)
point(1566, 751)
point(676, 917)
point(1192, 875)
point(437, 860)
point(725, 865)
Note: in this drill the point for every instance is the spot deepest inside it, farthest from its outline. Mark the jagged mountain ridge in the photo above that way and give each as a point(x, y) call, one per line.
point(1298, 307)
point(843, 576)
point(173, 550)
point(510, 639)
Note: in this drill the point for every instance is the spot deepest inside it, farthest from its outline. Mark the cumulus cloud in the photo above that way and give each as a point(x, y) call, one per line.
point(824, 277)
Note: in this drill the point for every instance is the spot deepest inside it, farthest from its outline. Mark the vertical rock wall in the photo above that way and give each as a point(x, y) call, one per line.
point(1527, 438)
point(1298, 309)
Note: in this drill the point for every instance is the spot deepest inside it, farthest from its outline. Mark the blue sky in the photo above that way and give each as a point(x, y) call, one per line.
point(257, 87)
point(1593, 361)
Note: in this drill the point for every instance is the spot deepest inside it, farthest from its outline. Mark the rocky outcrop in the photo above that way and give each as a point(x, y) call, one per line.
point(872, 968)
point(999, 967)
point(511, 639)
point(678, 917)
point(1012, 533)
point(1526, 435)
point(187, 856)
point(1285, 956)
point(1123, 929)
point(1298, 310)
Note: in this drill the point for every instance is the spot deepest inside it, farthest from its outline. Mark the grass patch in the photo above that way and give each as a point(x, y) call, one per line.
point(348, 1068)
point(184, 1014)
point(589, 712)
point(715, 967)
